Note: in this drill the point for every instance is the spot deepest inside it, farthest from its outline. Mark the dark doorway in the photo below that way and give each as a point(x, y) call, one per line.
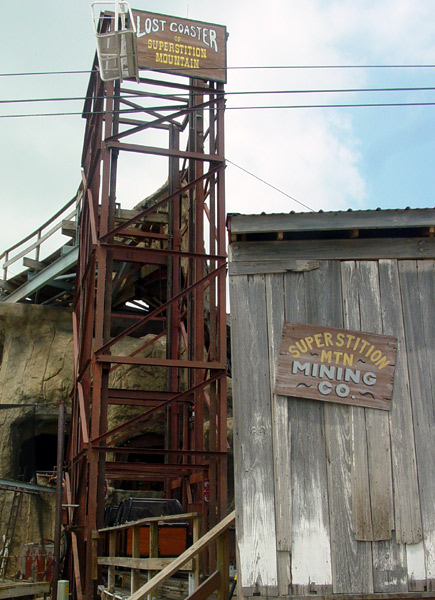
point(38, 453)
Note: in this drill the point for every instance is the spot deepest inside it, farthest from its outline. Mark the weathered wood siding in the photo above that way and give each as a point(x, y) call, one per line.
point(333, 498)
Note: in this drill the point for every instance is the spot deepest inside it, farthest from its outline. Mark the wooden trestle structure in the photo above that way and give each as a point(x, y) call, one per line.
point(158, 269)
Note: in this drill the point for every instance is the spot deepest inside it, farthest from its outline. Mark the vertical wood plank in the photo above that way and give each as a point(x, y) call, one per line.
point(416, 567)
point(389, 560)
point(351, 560)
point(280, 434)
point(223, 564)
point(135, 552)
point(253, 448)
point(311, 554)
point(377, 422)
point(417, 287)
point(111, 570)
point(361, 509)
point(197, 560)
point(426, 283)
point(281, 442)
point(406, 496)
point(390, 571)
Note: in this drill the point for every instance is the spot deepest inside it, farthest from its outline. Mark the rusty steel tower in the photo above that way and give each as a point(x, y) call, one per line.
point(154, 272)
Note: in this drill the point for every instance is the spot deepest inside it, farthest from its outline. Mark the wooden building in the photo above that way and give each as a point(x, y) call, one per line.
point(334, 498)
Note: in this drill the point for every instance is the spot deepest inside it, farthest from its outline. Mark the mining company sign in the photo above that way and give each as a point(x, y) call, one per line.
point(181, 46)
point(336, 365)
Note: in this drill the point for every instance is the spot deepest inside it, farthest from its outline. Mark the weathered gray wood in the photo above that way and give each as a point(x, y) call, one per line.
point(417, 308)
point(406, 496)
point(253, 447)
point(389, 567)
point(331, 221)
point(280, 422)
point(311, 553)
point(389, 561)
point(31, 263)
point(304, 347)
point(148, 520)
point(351, 560)
point(352, 249)
point(426, 282)
point(153, 564)
point(69, 228)
point(284, 573)
point(272, 266)
point(187, 555)
point(361, 509)
point(377, 423)
point(17, 590)
point(380, 596)
point(416, 567)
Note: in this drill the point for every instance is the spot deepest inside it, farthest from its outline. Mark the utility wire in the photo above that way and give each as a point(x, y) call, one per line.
point(269, 184)
point(362, 105)
point(129, 95)
point(46, 73)
point(186, 109)
point(247, 67)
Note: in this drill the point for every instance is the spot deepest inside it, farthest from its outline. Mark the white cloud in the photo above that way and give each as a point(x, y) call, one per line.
point(314, 155)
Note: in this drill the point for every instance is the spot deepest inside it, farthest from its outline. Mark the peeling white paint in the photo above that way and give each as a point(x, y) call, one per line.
point(311, 556)
point(415, 561)
point(429, 546)
point(257, 537)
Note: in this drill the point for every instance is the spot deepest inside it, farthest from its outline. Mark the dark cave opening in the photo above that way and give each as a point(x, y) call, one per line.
point(38, 453)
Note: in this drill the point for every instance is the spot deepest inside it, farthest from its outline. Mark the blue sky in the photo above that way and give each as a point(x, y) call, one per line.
point(330, 159)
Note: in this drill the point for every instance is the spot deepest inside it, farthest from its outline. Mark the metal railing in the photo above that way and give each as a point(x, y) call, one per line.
point(33, 241)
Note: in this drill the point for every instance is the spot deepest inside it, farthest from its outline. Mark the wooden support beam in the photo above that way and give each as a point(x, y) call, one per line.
point(69, 228)
point(17, 590)
point(30, 263)
point(144, 564)
point(135, 551)
point(184, 558)
point(111, 569)
point(207, 588)
point(223, 564)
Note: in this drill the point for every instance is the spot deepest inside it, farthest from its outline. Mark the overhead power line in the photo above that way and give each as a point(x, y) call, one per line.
point(270, 185)
point(361, 105)
point(237, 93)
point(247, 67)
point(26, 74)
point(186, 109)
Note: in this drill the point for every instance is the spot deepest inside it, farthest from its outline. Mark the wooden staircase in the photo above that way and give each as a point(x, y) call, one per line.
point(218, 581)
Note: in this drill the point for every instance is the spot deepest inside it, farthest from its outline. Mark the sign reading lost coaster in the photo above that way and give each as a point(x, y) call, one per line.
point(181, 46)
point(336, 365)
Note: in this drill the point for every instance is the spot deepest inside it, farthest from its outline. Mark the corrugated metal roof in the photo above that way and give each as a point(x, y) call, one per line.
point(331, 221)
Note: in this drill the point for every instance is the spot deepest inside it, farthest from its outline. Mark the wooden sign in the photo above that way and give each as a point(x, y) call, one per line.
point(181, 46)
point(336, 365)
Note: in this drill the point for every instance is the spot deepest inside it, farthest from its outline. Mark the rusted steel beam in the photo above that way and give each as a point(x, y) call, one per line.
point(115, 395)
point(151, 255)
point(160, 362)
point(156, 451)
point(151, 411)
point(147, 211)
point(164, 152)
point(193, 358)
point(160, 309)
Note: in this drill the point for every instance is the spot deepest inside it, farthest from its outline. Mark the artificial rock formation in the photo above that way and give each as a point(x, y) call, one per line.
point(36, 372)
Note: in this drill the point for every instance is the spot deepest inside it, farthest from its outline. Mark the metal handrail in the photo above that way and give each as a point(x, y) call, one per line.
point(40, 235)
